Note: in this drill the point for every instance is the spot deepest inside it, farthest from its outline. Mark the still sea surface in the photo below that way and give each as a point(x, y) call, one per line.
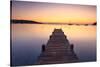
point(27, 39)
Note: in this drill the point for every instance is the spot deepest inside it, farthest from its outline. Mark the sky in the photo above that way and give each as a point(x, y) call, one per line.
point(53, 12)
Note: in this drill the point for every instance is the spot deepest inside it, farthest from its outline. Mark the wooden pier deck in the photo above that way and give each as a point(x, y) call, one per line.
point(57, 50)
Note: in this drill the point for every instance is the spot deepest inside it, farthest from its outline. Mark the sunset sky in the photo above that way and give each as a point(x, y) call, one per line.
point(53, 13)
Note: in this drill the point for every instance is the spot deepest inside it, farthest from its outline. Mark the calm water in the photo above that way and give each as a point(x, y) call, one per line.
point(28, 38)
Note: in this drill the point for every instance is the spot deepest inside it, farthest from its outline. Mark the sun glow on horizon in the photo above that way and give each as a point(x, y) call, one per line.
point(53, 13)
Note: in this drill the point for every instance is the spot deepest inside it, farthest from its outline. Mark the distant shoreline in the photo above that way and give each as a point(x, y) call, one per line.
point(35, 22)
point(24, 22)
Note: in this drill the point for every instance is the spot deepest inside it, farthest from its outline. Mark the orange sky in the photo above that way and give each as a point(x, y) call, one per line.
point(53, 13)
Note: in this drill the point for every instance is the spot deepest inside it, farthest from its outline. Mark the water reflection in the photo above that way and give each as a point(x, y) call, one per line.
point(28, 38)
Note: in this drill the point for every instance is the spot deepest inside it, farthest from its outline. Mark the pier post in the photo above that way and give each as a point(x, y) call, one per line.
point(43, 47)
point(71, 46)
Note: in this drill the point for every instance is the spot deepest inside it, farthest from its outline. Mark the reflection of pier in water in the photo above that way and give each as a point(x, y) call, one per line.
point(57, 50)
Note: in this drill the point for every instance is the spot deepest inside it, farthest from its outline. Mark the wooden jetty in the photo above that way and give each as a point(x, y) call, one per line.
point(57, 50)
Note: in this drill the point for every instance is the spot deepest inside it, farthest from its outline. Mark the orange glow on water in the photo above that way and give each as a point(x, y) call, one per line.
point(73, 32)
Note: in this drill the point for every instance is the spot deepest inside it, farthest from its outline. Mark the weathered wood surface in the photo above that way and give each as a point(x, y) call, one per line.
point(57, 50)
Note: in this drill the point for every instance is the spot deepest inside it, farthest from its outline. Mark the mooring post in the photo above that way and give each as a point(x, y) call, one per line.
point(71, 46)
point(43, 47)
